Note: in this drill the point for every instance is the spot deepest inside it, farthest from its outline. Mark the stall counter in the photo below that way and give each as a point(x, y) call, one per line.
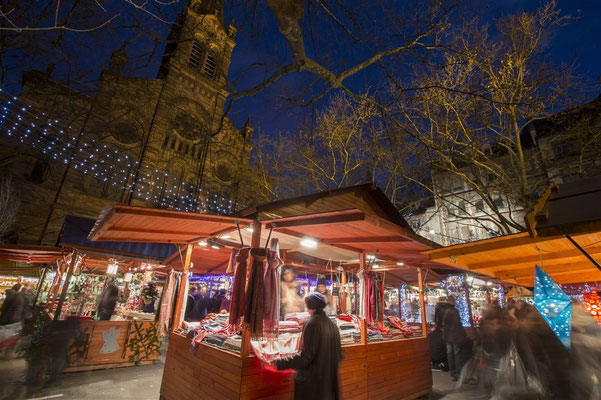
point(395, 369)
point(106, 344)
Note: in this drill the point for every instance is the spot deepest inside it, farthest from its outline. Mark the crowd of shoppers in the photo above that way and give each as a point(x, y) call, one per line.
point(200, 303)
point(516, 355)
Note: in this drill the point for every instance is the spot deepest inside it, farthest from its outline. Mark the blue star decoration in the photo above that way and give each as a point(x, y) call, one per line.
point(554, 305)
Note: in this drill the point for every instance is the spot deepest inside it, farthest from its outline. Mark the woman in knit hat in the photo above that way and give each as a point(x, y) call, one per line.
point(317, 362)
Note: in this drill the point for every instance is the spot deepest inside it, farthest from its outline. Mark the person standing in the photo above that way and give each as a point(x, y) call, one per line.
point(291, 300)
point(322, 288)
point(13, 307)
point(190, 304)
point(108, 301)
point(454, 336)
point(317, 362)
point(28, 297)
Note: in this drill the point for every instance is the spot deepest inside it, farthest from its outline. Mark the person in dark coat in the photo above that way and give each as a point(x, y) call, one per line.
point(190, 304)
point(108, 301)
point(217, 301)
point(438, 349)
point(317, 363)
point(439, 312)
point(454, 336)
point(13, 307)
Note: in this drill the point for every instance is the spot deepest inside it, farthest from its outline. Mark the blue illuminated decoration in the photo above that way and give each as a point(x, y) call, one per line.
point(554, 305)
point(455, 286)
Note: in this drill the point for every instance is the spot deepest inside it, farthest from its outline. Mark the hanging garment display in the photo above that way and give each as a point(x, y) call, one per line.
point(554, 305)
point(255, 294)
point(272, 291)
point(238, 288)
point(166, 303)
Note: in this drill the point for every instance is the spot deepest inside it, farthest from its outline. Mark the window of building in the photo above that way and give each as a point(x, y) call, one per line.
point(166, 141)
point(461, 210)
point(210, 65)
point(196, 56)
point(479, 205)
point(498, 202)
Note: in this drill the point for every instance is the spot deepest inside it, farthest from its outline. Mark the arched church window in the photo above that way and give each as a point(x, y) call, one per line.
point(166, 141)
point(210, 65)
point(196, 56)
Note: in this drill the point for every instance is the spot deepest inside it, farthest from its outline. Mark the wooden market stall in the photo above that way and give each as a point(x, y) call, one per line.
point(351, 229)
point(132, 340)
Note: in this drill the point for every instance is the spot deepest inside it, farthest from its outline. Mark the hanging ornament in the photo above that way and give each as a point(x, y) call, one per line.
point(554, 305)
point(112, 267)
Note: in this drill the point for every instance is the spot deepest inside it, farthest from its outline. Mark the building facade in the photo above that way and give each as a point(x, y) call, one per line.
point(162, 142)
point(561, 148)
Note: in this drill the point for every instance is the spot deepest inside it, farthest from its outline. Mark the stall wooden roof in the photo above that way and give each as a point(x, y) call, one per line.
point(139, 224)
point(29, 254)
point(512, 258)
point(345, 223)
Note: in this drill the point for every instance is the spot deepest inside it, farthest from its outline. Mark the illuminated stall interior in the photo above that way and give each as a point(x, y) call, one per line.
point(339, 236)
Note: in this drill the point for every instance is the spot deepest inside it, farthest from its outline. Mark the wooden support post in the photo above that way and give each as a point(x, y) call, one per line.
point(256, 238)
point(363, 331)
point(344, 293)
point(183, 293)
point(38, 290)
point(61, 299)
point(422, 303)
point(53, 292)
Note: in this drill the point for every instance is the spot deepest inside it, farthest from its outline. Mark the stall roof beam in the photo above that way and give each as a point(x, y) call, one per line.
point(533, 258)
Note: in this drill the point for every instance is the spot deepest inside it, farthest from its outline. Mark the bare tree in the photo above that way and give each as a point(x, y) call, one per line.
point(342, 148)
point(9, 206)
point(470, 116)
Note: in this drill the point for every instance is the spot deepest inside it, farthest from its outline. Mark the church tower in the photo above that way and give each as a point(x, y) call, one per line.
point(190, 138)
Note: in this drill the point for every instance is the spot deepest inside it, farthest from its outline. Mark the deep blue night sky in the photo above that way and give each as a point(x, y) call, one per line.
point(578, 42)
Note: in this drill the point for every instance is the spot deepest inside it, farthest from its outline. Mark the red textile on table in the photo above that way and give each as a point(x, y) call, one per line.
point(271, 313)
point(255, 294)
point(238, 301)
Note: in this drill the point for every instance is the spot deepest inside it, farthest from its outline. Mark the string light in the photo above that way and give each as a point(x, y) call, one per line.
point(455, 286)
point(103, 163)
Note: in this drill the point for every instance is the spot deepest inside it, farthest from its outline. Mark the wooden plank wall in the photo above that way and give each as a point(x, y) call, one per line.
point(386, 370)
point(399, 369)
point(210, 373)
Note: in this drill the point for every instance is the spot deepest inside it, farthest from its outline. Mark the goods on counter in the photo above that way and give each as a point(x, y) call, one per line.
point(269, 349)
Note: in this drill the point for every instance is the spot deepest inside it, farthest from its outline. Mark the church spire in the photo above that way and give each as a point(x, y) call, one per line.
point(208, 7)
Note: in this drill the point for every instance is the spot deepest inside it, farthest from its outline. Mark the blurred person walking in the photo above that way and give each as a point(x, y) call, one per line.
point(13, 308)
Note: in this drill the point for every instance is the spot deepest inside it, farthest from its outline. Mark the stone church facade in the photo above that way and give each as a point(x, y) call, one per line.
point(160, 142)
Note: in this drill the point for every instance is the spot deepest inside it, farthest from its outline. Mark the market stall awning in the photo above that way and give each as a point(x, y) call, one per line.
point(29, 254)
point(512, 258)
point(344, 223)
point(75, 231)
point(139, 224)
